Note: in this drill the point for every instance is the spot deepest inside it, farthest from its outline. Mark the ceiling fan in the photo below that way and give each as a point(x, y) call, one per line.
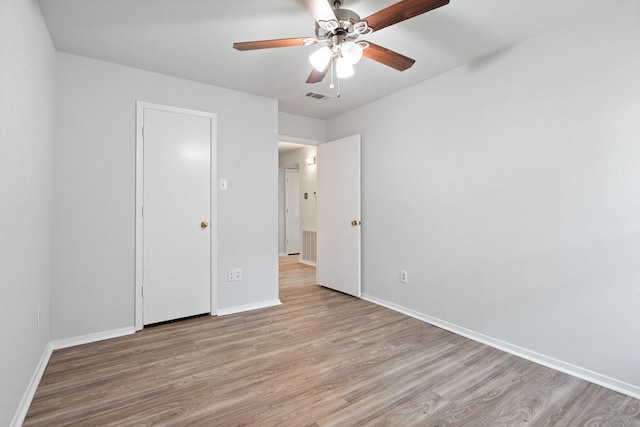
point(338, 30)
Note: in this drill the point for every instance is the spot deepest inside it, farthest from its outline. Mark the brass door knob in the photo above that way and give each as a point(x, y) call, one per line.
point(204, 224)
point(355, 223)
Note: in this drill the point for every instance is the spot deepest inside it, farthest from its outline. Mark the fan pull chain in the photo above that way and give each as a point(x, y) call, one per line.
point(331, 85)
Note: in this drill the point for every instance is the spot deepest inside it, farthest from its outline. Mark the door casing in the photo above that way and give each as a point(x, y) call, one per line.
point(292, 211)
point(139, 238)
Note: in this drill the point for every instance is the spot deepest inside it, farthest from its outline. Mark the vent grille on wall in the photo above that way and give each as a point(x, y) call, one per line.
point(308, 247)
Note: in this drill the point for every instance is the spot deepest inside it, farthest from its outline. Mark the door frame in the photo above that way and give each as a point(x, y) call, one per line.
point(295, 140)
point(139, 236)
point(287, 172)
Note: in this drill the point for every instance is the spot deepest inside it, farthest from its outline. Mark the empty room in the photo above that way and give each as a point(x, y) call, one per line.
point(416, 212)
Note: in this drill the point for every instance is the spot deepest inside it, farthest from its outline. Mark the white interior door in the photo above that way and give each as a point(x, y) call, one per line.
point(292, 211)
point(176, 215)
point(338, 206)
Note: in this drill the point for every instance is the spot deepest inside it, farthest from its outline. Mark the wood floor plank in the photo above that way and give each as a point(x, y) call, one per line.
point(321, 358)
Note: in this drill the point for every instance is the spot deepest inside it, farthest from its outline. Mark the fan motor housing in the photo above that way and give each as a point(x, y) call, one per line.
point(346, 19)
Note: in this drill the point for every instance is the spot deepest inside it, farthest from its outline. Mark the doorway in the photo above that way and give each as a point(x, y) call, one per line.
point(292, 160)
point(175, 213)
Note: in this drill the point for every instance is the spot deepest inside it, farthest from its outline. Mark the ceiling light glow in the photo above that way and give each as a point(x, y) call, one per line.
point(351, 52)
point(343, 68)
point(320, 58)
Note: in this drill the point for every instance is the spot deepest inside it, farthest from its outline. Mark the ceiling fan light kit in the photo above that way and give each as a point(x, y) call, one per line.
point(344, 68)
point(338, 29)
point(351, 52)
point(346, 56)
point(320, 58)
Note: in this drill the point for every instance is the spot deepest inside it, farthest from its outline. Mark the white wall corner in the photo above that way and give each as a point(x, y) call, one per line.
point(25, 403)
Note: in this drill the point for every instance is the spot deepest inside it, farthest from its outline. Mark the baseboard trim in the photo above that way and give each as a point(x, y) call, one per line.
point(25, 403)
point(541, 359)
point(248, 307)
point(303, 261)
point(86, 339)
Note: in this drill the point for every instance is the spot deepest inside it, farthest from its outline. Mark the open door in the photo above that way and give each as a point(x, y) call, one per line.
point(338, 208)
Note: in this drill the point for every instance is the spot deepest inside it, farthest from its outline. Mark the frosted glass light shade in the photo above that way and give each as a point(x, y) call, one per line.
point(343, 68)
point(320, 58)
point(351, 52)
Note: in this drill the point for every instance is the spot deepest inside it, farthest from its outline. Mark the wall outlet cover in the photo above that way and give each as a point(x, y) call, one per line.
point(404, 277)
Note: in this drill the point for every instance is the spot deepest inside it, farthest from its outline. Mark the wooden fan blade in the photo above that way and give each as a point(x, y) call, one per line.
point(317, 76)
point(402, 11)
point(387, 57)
point(268, 44)
point(320, 10)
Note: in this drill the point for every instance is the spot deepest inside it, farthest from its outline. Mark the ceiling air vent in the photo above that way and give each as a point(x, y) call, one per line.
point(315, 95)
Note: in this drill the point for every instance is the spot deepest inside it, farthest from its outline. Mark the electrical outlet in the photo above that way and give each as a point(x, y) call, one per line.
point(231, 275)
point(39, 315)
point(238, 274)
point(404, 277)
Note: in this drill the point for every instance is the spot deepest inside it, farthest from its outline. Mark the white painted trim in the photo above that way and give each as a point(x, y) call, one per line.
point(27, 398)
point(291, 173)
point(304, 261)
point(541, 359)
point(139, 224)
point(248, 307)
point(282, 254)
point(25, 403)
point(213, 229)
point(90, 338)
point(298, 140)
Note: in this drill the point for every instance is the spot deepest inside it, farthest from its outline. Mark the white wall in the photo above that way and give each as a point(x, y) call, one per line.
point(302, 129)
point(297, 159)
point(26, 203)
point(93, 257)
point(509, 190)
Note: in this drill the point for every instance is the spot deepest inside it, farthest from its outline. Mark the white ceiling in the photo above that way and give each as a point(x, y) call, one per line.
point(193, 39)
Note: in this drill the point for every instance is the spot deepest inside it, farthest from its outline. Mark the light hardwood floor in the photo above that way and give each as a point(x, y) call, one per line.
point(320, 359)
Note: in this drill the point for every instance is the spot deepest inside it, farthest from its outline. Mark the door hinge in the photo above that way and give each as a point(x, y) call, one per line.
point(143, 210)
point(142, 291)
point(143, 131)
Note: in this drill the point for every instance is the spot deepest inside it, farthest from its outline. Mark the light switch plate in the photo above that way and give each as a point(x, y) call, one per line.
point(223, 184)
